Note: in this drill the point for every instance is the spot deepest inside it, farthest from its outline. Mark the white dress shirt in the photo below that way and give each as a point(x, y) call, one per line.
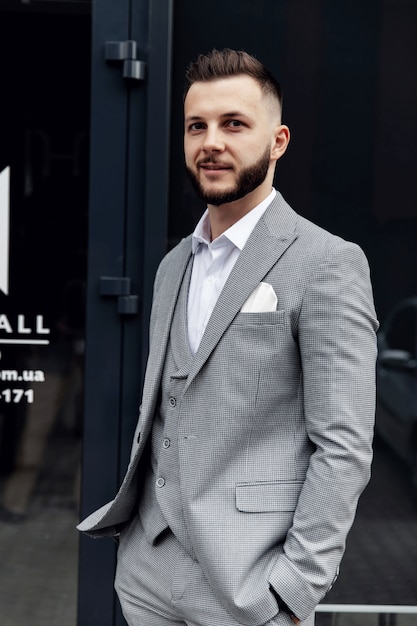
point(212, 264)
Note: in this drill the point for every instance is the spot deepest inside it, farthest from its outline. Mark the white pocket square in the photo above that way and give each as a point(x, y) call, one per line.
point(261, 300)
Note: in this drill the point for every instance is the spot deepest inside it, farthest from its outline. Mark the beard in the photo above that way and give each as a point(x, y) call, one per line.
point(248, 180)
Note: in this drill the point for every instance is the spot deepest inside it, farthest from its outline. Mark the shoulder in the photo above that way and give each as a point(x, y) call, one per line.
point(314, 250)
point(326, 246)
point(173, 260)
point(311, 240)
point(281, 219)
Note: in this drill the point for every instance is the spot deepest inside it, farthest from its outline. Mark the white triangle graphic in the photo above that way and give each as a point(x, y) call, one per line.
point(4, 229)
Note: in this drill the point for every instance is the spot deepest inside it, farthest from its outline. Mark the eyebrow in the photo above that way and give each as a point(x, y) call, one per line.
point(193, 118)
point(197, 118)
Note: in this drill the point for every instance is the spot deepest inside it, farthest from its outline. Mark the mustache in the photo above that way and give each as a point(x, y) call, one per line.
point(213, 161)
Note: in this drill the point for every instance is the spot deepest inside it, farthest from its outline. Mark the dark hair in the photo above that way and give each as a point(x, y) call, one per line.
point(223, 63)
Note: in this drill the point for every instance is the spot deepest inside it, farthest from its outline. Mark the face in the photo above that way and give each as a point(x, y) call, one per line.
point(230, 139)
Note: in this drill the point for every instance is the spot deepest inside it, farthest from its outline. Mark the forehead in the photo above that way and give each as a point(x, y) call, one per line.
point(234, 93)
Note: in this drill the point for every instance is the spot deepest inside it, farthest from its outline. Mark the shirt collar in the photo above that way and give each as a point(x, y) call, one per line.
point(238, 233)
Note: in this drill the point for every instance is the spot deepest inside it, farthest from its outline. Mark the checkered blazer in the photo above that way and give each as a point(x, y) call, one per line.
point(281, 409)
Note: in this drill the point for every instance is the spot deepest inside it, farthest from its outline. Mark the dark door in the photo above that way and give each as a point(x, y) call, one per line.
point(83, 211)
point(131, 47)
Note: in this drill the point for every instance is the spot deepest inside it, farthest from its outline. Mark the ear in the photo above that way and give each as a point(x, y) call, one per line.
point(281, 139)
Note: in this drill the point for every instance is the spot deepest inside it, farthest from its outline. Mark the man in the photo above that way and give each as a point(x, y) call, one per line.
point(254, 437)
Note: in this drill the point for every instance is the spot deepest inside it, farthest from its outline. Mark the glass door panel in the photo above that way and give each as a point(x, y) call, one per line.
point(44, 143)
point(345, 68)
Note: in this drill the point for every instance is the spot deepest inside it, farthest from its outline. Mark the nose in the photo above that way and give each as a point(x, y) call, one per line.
point(213, 141)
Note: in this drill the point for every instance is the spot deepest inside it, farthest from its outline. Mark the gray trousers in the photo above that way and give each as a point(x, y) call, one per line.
point(162, 585)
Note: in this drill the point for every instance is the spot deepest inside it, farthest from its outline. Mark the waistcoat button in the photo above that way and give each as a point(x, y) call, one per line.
point(160, 482)
point(172, 401)
point(166, 443)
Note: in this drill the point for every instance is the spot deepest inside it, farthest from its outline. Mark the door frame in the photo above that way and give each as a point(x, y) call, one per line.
point(128, 212)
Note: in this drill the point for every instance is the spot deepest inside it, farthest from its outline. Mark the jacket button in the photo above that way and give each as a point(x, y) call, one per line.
point(172, 401)
point(160, 482)
point(166, 443)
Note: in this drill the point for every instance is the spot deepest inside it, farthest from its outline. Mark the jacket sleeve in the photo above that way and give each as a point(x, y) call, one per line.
point(337, 339)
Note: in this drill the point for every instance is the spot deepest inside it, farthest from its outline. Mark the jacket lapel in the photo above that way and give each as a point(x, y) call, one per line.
point(273, 234)
point(167, 299)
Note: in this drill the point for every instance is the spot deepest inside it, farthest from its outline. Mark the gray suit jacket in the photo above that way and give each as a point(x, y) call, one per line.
point(282, 408)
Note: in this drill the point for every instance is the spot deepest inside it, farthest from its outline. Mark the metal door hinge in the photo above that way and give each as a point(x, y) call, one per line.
point(119, 287)
point(125, 52)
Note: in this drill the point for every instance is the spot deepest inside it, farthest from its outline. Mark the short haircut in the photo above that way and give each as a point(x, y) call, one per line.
point(225, 63)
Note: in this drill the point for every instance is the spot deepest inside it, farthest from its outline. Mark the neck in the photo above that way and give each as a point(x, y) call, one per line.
point(224, 216)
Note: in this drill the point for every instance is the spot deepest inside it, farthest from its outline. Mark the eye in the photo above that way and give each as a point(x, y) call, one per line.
point(196, 126)
point(234, 123)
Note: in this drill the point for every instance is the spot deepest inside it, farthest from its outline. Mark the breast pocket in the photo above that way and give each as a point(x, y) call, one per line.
point(264, 340)
point(257, 335)
point(249, 344)
point(259, 319)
